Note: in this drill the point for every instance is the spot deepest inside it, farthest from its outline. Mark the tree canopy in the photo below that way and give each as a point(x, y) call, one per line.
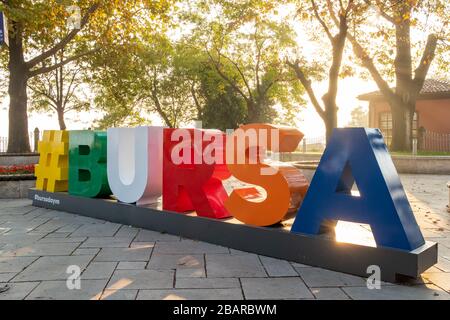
point(222, 62)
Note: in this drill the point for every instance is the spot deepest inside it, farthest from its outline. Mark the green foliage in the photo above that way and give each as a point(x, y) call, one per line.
point(247, 42)
point(219, 61)
point(62, 90)
point(39, 31)
point(360, 118)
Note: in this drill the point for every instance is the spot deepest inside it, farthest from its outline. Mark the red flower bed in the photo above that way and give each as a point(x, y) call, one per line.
point(17, 169)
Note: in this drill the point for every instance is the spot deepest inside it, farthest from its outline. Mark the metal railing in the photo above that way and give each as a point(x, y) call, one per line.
point(31, 135)
point(313, 144)
point(3, 144)
point(434, 142)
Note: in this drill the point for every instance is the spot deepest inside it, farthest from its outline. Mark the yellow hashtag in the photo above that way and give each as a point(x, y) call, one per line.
point(52, 172)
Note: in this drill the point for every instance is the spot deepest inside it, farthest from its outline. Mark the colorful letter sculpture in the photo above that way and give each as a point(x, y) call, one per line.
point(52, 170)
point(360, 155)
point(284, 184)
point(194, 184)
point(87, 164)
point(135, 164)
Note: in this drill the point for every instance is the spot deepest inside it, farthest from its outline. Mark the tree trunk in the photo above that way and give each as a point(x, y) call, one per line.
point(18, 140)
point(330, 119)
point(401, 111)
point(253, 114)
point(400, 137)
point(61, 121)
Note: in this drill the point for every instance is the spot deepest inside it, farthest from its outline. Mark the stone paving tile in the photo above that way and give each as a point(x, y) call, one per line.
point(39, 249)
point(97, 230)
point(207, 283)
point(433, 270)
point(397, 292)
point(14, 203)
point(329, 294)
point(86, 251)
point(119, 295)
point(191, 273)
point(106, 242)
point(175, 261)
point(188, 247)
point(277, 268)
point(275, 288)
point(57, 290)
point(124, 254)
point(131, 265)
point(73, 219)
point(317, 277)
point(24, 226)
point(63, 240)
point(153, 236)
point(70, 228)
point(98, 270)
point(20, 239)
point(16, 210)
point(38, 213)
point(17, 291)
point(141, 279)
point(444, 252)
point(5, 277)
point(49, 226)
point(15, 264)
point(57, 215)
point(126, 232)
point(442, 280)
point(57, 235)
point(142, 245)
point(229, 266)
point(191, 294)
point(51, 268)
point(443, 264)
point(432, 233)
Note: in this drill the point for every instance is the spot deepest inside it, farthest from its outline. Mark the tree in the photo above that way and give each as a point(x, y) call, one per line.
point(328, 109)
point(38, 31)
point(217, 104)
point(145, 76)
point(172, 78)
point(400, 17)
point(360, 118)
point(60, 90)
point(246, 44)
point(222, 108)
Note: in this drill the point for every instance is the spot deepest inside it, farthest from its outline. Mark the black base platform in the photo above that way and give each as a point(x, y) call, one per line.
point(310, 250)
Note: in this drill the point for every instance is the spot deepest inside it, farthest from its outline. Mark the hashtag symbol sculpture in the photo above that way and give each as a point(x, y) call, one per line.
point(52, 172)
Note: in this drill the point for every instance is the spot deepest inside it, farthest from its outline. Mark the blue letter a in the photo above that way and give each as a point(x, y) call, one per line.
point(360, 155)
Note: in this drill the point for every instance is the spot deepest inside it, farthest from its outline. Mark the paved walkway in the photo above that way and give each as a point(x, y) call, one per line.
point(119, 262)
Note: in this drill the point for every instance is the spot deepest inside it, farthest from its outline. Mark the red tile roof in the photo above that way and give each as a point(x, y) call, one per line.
point(432, 88)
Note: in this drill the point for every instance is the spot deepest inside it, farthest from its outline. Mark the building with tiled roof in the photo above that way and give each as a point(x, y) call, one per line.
point(432, 88)
point(432, 118)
